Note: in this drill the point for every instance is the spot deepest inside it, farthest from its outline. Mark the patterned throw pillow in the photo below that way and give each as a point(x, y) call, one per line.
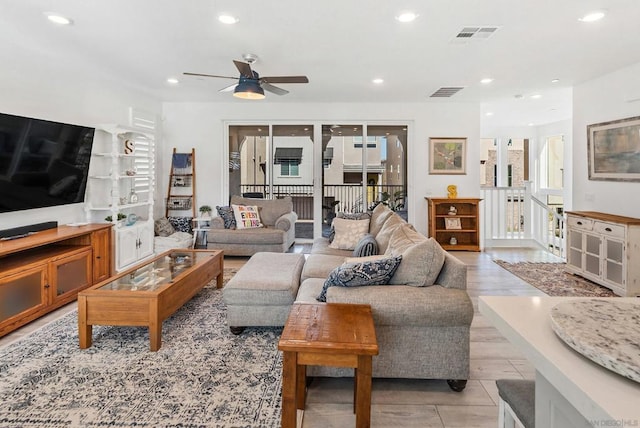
point(247, 216)
point(181, 224)
point(367, 246)
point(227, 216)
point(162, 227)
point(348, 233)
point(347, 216)
point(375, 272)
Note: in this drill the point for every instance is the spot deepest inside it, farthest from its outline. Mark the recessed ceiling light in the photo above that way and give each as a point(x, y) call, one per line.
point(58, 19)
point(555, 80)
point(536, 96)
point(227, 19)
point(489, 113)
point(530, 123)
point(172, 80)
point(596, 15)
point(486, 80)
point(406, 17)
point(378, 81)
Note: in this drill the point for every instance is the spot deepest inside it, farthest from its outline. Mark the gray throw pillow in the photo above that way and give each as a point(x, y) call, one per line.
point(227, 216)
point(162, 227)
point(376, 272)
point(368, 246)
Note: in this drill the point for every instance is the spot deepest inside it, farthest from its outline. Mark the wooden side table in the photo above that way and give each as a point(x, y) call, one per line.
point(327, 334)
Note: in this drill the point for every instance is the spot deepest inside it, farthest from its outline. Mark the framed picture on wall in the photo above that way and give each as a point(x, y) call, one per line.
point(447, 155)
point(614, 150)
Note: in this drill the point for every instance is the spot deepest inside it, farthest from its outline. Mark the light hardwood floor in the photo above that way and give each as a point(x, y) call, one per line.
point(421, 403)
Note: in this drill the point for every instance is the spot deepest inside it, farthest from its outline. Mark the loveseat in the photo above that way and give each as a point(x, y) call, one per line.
point(422, 317)
point(277, 233)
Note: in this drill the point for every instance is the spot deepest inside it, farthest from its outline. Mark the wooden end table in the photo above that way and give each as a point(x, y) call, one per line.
point(149, 293)
point(327, 334)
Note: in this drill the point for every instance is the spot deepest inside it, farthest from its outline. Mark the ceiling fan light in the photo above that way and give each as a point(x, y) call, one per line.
point(248, 90)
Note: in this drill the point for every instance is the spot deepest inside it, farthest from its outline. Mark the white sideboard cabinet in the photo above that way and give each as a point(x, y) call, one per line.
point(605, 249)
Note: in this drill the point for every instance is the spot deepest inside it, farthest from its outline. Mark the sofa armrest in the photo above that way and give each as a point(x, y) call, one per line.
point(453, 273)
point(286, 221)
point(217, 223)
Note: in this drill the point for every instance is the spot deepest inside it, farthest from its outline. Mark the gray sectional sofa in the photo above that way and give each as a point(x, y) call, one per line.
point(422, 330)
point(278, 235)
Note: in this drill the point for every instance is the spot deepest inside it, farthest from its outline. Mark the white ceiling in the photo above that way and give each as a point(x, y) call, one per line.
point(340, 45)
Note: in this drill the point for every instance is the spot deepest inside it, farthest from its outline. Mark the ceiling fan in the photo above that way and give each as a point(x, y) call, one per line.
point(250, 85)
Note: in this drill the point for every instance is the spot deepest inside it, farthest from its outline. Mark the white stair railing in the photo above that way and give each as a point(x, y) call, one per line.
point(512, 216)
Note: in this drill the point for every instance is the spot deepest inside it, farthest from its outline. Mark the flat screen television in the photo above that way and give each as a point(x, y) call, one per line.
point(42, 163)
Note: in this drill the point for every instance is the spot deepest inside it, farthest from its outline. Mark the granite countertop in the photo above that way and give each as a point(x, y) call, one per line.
point(605, 331)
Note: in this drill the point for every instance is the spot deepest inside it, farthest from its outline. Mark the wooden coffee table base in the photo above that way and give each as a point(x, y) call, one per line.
point(338, 335)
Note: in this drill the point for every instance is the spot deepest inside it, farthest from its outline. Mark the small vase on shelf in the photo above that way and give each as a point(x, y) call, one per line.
point(133, 197)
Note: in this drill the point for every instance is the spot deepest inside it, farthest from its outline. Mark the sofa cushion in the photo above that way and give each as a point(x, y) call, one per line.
point(367, 246)
point(271, 209)
point(422, 257)
point(257, 236)
point(348, 233)
point(321, 246)
point(375, 272)
point(384, 235)
point(320, 265)
point(163, 227)
point(247, 216)
point(227, 216)
point(379, 215)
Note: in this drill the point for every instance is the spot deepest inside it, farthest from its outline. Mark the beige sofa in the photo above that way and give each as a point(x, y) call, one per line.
point(422, 331)
point(277, 235)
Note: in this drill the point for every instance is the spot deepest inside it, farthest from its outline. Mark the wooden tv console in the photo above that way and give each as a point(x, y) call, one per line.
point(46, 270)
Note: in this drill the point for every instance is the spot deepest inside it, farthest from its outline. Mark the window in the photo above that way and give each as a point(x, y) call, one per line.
point(289, 168)
point(371, 142)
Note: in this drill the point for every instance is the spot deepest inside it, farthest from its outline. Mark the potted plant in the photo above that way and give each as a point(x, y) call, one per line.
point(205, 211)
point(121, 217)
point(331, 213)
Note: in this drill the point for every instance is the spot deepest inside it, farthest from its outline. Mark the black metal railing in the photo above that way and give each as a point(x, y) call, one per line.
point(336, 197)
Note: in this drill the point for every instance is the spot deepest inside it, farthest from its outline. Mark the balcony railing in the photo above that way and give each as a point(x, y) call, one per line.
point(336, 197)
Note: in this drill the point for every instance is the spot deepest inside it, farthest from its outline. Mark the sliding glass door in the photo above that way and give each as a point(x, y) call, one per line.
point(362, 165)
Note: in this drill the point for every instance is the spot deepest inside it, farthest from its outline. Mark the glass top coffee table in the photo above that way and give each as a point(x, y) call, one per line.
point(149, 293)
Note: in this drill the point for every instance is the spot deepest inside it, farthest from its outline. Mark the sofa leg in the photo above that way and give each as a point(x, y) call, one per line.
point(236, 330)
point(457, 385)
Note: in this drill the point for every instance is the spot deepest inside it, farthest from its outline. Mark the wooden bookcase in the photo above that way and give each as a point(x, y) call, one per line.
point(467, 237)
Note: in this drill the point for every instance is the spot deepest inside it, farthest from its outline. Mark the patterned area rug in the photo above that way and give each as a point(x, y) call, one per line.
point(553, 280)
point(202, 376)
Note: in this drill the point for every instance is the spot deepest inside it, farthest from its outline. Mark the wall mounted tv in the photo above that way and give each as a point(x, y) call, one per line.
point(42, 163)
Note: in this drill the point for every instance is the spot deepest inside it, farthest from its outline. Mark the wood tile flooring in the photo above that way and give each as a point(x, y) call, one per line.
point(421, 403)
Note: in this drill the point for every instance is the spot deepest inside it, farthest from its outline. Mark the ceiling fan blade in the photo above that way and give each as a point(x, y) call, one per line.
point(286, 79)
point(244, 69)
point(228, 88)
point(209, 75)
point(269, 87)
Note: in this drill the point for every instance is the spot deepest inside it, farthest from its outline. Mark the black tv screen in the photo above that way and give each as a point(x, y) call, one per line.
point(42, 163)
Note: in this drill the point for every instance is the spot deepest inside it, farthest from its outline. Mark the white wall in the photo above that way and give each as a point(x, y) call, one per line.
point(201, 125)
point(600, 100)
point(81, 101)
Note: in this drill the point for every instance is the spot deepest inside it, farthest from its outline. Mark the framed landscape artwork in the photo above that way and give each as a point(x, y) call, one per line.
point(614, 150)
point(447, 155)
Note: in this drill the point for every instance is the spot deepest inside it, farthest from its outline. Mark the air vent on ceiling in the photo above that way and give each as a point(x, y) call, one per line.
point(468, 34)
point(446, 92)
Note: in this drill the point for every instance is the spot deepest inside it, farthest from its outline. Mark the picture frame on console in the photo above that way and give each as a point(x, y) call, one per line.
point(613, 150)
point(447, 155)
